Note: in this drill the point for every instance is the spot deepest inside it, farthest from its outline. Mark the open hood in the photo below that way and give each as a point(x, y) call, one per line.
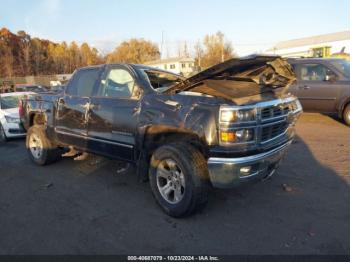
point(239, 78)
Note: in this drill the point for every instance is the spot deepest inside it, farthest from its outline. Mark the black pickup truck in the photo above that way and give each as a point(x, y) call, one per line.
point(227, 125)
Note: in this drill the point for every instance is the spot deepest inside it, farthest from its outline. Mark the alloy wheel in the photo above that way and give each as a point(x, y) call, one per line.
point(170, 181)
point(35, 146)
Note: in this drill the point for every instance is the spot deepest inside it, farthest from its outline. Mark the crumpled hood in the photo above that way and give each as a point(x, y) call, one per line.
point(239, 78)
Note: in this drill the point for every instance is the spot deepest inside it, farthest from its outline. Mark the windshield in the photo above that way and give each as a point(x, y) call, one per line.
point(8, 102)
point(343, 66)
point(162, 81)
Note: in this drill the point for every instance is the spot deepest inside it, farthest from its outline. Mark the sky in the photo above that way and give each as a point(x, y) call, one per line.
point(250, 25)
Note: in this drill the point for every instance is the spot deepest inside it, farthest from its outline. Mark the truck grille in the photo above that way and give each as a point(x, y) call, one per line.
point(275, 116)
point(272, 131)
point(275, 111)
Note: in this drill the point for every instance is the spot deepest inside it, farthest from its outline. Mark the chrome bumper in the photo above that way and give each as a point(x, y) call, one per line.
point(230, 172)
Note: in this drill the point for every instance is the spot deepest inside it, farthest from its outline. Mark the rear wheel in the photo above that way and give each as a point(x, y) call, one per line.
point(40, 149)
point(179, 179)
point(3, 137)
point(346, 115)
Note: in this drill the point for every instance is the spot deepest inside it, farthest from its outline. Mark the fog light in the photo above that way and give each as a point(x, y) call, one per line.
point(245, 170)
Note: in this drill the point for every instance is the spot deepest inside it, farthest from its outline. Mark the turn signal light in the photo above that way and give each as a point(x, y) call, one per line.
point(228, 136)
point(238, 136)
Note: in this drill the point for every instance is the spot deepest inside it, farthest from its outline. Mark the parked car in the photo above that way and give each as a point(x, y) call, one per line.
point(223, 127)
point(30, 88)
point(10, 125)
point(323, 85)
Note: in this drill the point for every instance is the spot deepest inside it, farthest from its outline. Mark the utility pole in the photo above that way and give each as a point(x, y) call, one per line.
point(161, 46)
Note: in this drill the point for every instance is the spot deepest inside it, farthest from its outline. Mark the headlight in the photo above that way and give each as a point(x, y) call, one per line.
point(237, 136)
point(241, 115)
point(12, 119)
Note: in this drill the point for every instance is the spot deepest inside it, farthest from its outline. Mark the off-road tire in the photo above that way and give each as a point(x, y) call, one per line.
point(346, 115)
point(194, 168)
point(49, 153)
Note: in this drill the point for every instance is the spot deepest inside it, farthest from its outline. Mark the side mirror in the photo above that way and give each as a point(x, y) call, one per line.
point(330, 78)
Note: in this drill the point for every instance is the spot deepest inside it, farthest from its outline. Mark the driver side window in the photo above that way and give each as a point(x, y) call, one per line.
point(118, 83)
point(314, 72)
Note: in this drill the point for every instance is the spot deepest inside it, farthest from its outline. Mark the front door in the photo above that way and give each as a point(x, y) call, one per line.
point(317, 88)
point(73, 108)
point(114, 114)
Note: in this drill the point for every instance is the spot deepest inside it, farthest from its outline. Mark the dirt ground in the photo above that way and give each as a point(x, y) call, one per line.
point(88, 207)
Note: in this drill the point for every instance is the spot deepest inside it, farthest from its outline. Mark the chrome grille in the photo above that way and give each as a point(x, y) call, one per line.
point(275, 111)
point(271, 131)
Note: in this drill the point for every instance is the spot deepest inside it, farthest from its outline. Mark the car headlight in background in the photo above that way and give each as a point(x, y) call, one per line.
point(237, 136)
point(239, 116)
point(13, 120)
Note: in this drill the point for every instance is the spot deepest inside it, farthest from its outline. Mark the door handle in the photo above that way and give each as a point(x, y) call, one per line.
point(304, 87)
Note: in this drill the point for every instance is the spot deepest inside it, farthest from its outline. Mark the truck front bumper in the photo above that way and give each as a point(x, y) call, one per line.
point(230, 172)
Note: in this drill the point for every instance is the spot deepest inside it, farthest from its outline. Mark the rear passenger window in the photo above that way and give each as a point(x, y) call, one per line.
point(82, 84)
point(118, 83)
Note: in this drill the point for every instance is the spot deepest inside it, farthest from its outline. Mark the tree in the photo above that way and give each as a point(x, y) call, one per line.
point(6, 60)
point(216, 50)
point(37, 56)
point(182, 49)
point(8, 51)
point(199, 53)
point(74, 57)
point(21, 55)
point(136, 51)
point(25, 46)
point(88, 56)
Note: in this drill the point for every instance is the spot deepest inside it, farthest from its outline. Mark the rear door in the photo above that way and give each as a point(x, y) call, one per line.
point(73, 108)
point(114, 114)
point(317, 88)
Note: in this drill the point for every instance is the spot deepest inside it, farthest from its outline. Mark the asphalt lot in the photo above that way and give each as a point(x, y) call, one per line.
point(87, 207)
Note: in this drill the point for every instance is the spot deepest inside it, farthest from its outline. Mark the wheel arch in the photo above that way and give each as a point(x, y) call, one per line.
point(158, 135)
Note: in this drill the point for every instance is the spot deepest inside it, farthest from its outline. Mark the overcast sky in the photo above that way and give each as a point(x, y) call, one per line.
point(251, 26)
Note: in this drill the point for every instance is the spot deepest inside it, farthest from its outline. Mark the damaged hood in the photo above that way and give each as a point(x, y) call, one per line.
point(239, 78)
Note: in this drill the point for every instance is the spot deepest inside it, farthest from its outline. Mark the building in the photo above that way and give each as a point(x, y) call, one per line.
point(327, 45)
point(181, 65)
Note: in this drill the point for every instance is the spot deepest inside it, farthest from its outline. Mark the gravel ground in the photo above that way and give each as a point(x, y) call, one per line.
point(88, 207)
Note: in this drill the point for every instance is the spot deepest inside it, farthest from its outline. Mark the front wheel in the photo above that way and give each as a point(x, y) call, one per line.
point(346, 115)
point(40, 149)
point(179, 179)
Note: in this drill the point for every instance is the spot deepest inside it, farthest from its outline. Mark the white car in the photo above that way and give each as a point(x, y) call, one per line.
point(10, 125)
